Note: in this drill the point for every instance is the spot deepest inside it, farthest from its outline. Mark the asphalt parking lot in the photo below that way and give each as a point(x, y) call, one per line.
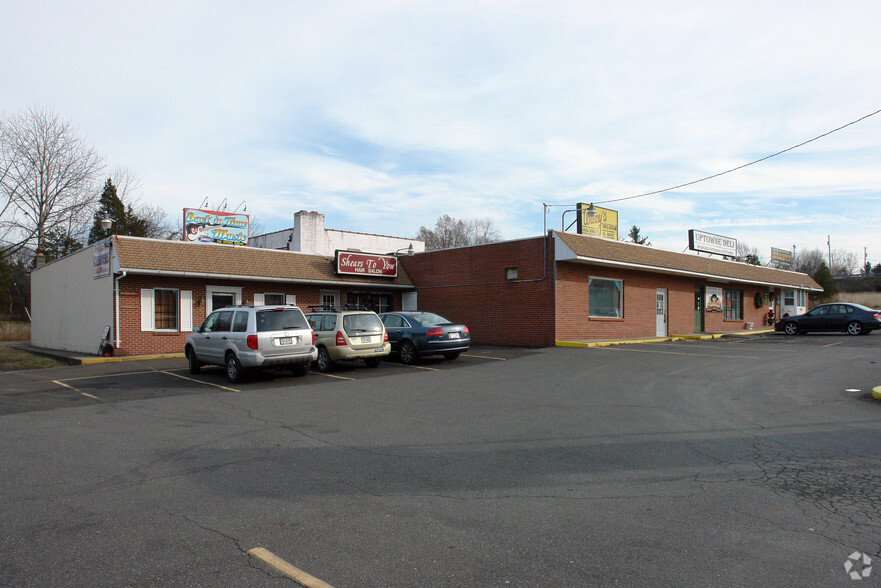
point(739, 461)
point(153, 378)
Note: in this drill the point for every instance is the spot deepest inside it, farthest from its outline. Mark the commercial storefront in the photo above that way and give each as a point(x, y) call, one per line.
point(143, 296)
point(569, 287)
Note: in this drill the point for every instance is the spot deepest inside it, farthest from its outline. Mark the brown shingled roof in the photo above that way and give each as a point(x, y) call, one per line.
point(154, 256)
point(594, 250)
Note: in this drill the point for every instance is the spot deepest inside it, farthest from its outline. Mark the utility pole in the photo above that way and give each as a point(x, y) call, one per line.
point(829, 245)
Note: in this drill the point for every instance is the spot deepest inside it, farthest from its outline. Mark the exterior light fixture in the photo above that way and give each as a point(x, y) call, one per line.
point(591, 211)
point(106, 223)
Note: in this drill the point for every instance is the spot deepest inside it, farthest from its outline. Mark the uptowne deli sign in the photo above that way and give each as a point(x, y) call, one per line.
point(353, 263)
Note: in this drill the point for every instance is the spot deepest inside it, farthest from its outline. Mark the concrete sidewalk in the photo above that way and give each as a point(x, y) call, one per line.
point(78, 358)
point(679, 337)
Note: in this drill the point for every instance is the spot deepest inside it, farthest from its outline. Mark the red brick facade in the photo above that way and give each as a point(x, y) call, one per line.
point(548, 300)
point(134, 341)
point(470, 285)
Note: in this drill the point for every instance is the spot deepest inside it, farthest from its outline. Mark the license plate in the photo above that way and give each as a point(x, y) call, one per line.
point(365, 339)
point(285, 340)
point(454, 335)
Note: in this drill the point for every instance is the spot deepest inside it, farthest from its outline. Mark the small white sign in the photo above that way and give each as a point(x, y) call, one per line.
point(102, 260)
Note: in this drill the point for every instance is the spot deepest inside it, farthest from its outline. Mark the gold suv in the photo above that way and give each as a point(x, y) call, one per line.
point(347, 333)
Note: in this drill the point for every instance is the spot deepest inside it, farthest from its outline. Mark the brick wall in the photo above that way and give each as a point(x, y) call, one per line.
point(573, 322)
point(137, 342)
point(469, 285)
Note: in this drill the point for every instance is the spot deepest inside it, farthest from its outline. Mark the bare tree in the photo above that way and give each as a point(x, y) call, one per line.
point(748, 253)
point(844, 262)
point(452, 232)
point(484, 230)
point(47, 179)
point(808, 261)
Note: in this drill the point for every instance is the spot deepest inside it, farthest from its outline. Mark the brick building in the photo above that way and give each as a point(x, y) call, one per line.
point(570, 287)
point(147, 294)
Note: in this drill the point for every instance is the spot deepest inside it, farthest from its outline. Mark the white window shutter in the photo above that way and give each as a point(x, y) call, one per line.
point(146, 309)
point(186, 310)
point(290, 299)
point(258, 299)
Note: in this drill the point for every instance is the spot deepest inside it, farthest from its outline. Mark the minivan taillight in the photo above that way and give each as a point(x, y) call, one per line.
point(252, 342)
point(313, 337)
point(340, 339)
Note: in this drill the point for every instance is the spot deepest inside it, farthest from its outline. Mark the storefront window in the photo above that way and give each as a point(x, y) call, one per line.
point(604, 298)
point(273, 298)
point(165, 310)
point(733, 304)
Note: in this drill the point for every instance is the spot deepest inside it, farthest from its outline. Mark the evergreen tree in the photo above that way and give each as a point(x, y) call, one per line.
point(124, 219)
point(824, 277)
point(635, 237)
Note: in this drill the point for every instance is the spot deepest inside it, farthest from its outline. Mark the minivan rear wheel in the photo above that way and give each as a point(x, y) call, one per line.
point(234, 371)
point(323, 363)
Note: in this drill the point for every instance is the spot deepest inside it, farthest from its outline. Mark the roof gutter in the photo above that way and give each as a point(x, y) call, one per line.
point(710, 277)
point(178, 274)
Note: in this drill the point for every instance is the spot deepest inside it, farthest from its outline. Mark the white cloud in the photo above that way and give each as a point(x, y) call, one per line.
point(386, 115)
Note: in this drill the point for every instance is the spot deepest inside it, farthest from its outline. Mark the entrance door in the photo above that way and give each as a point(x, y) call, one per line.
point(698, 309)
point(222, 300)
point(661, 313)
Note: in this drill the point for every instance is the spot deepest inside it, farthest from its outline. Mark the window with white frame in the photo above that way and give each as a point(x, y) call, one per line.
point(166, 309)
point(605, 298)
point(329, 297)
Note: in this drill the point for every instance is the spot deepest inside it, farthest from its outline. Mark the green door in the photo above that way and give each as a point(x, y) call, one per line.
point(698, 309)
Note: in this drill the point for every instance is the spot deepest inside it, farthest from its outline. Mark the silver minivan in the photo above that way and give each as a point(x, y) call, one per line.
point(241, 338)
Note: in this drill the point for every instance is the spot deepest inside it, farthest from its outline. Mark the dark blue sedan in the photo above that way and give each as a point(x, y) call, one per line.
point(854, 319)
point(415, 334)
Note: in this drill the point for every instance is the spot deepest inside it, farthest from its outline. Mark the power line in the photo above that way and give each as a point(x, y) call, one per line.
point(734, 169)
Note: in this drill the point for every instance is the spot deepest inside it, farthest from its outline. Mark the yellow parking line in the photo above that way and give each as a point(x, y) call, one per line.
point(421, 367)
point(295, 574)
point(337, 377)
point(109, 375)
point(620, 348)
point(833, 344)
point(63, 385)
point(198, 381)
point(483, 357)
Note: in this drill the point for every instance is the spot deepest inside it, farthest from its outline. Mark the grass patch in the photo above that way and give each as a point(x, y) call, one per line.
point(16, 359)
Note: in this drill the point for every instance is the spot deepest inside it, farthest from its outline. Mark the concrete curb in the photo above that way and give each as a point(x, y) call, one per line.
point(94, 360)
point(75, 359)
point(689, 337)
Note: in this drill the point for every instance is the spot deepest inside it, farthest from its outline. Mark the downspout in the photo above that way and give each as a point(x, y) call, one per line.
point(116, 309)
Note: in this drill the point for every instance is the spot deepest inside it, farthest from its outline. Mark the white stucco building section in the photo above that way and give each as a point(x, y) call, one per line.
point(308, 235)
point(70, 308)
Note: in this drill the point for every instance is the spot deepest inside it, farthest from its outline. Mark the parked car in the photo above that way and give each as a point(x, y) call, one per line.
point(244, 337)
point(416, 334)
point(347, 333)
point(854, 319)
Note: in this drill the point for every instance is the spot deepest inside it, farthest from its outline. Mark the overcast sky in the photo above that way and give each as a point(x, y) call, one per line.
point(385, 115)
